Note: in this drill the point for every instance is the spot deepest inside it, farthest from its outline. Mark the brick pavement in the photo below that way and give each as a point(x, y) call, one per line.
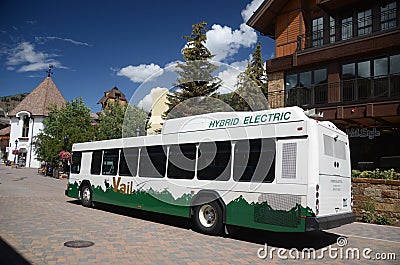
point(36, 219)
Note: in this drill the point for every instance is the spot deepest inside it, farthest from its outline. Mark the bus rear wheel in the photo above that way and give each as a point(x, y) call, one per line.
point(86, 196)
point(208, 218)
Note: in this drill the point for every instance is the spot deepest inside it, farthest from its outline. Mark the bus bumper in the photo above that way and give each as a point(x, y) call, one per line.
point(327, 222)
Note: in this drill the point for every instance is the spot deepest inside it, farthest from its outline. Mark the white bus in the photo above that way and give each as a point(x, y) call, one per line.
point(276, 170)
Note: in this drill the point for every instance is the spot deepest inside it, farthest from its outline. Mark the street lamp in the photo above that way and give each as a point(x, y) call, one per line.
point(15, 155)
point(66, 139)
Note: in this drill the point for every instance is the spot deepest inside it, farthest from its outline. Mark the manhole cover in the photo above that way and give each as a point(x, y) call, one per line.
point(78, 244)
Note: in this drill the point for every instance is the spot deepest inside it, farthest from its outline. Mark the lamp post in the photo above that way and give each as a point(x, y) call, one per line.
point(15, 155)
point(65, 163)
point(66, 139)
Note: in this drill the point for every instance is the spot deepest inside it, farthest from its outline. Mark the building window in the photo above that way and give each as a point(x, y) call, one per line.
point(389, 16)
point(332, 30)
point(381, 67)
point(364, 79)
point(318, 32)
point(364, 19)
point(306, 88)
point(347, 28)
point(25, 126)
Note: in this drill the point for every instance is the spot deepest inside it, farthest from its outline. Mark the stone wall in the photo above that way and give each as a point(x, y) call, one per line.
point(383, 194)
point(276, 86)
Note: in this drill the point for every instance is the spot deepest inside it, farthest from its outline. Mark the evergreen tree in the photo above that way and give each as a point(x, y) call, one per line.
point(195, 81)
point(251, 85)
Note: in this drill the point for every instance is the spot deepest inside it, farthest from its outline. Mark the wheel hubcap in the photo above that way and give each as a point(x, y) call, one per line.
point(86, 194)
point(207, 215)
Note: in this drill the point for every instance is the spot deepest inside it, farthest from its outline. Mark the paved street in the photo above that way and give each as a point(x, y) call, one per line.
point(36, 219)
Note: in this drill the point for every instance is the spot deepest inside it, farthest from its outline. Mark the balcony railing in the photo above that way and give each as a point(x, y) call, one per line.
point(381, 88)
point(348, 30)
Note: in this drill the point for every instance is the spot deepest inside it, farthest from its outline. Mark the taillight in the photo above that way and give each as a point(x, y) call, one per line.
point(317, 200)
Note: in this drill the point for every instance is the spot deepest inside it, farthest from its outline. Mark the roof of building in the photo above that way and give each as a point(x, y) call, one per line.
point(5, 131)
point(40, 99)
point(113, 93)
point(263, 18)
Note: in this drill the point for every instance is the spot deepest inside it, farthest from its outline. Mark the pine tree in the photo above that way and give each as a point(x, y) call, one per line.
point(195, 82)
point(251, 85)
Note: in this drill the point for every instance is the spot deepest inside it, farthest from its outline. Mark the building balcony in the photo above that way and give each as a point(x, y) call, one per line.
point(346, 92)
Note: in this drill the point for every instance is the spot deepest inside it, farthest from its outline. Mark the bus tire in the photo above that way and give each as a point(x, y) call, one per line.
point(86, 196)
point(207, 218)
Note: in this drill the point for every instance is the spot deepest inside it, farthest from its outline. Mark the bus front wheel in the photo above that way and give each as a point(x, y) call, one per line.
point(208, 218)
point(86, 196)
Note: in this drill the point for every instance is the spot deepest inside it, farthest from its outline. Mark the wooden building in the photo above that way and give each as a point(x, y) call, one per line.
point(112, 95)
point(343, 58)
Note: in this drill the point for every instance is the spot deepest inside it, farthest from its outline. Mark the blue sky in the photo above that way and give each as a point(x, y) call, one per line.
point(96, 45)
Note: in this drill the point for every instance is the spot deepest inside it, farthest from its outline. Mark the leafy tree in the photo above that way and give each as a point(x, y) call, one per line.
point(251, 85)
point(72, 121)
point(195, 81)
point(118, 120)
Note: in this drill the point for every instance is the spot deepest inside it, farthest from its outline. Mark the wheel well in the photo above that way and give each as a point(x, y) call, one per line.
point(205, 196)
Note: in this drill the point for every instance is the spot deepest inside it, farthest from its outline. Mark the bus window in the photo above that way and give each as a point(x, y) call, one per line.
point(254, 160)
point(181, 161)
point(76, 162)
point(95, 167)
point(334, 147)
point(110, 162)
point(152, 162)
point(128, 161)
point(214, 161)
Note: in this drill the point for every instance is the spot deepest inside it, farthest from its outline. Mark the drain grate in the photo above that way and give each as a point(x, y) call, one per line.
point(78, 244)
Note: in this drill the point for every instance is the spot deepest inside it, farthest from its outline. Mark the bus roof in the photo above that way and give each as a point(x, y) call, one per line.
point(203, 123)
point(221, 120)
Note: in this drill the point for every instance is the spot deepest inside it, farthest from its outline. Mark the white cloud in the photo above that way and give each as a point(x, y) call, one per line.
point(250, 9)
point(43, 39)
point(224, 42)
point(140, 73)
point(147, 101)
point(27, 59)
point(229, 76)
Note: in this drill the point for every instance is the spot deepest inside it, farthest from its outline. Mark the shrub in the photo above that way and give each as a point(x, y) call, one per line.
point(382, 219)
point(376, 174)
point(368, 212)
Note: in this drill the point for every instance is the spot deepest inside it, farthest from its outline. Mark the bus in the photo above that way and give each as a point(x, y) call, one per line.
point(277, 170)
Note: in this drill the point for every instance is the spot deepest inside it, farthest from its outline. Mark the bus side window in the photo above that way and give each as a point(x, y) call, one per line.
point(214, 161)
point(128, 161)
point(153, 161)
point(76, 162)
point(254, 160)
point(181, 161)
point(95, 167)
point(110, 162)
